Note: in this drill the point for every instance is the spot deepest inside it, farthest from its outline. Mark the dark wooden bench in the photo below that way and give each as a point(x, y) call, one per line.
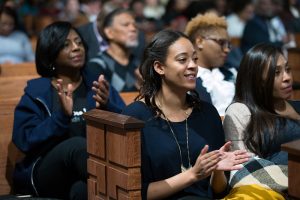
point(13, 79)
point(9, 154)
point(19, 69)
point(294, 62)
point(11, 89)
point(293, 149)
point(128, 97)
point(114, 157)
point(235, 41)
point(114, 161)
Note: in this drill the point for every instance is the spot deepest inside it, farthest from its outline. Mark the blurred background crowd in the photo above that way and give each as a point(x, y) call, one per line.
point(151, 15)
point(248, 22)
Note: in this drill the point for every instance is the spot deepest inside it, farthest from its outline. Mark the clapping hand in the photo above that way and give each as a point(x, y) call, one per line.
point(232, 160)
point(65, 97)
point(101, 88)
point(206, 163)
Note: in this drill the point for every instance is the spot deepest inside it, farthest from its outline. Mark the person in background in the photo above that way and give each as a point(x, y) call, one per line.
point(15, 45)
point(118, 64)
point(262, 117)
point(221, 7)
point(175, 16)
point(27, 11)
point(182, 143)
point(278, 24)
point(91, 8)
point(242, 11)
point(265, 26)
point(147, 27)
point(200, 7)
point(208, 32)
point(48, 124)
point(290, 16)
point(153, 9)
point(92, 37)
point(71, 12)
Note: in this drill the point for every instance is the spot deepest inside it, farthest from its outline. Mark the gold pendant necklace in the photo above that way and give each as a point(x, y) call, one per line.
point(182, 167)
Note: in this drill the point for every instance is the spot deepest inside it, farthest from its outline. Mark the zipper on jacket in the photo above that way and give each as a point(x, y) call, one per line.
point(44, 104)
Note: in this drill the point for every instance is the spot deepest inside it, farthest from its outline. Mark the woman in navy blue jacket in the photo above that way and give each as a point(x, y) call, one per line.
point(48, 124)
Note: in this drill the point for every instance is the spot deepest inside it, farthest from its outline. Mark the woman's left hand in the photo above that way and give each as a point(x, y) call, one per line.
point(232, 160)
point(101, 88)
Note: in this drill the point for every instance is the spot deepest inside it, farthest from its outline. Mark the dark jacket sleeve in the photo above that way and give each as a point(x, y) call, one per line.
point(115, 102)
point(33, 125)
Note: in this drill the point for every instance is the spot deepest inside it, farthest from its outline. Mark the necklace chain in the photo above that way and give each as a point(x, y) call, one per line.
point(183, 168)
point(187, 143)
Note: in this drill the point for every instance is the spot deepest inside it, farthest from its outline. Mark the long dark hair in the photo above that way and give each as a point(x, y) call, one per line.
point(50, 42)
point(157, 50)
point(254, 88)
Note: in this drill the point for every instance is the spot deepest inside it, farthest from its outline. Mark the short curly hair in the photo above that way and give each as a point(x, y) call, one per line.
point(202, 24)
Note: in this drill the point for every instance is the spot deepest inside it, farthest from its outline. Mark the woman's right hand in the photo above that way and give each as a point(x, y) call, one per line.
point(65, 97)
point(206, 163)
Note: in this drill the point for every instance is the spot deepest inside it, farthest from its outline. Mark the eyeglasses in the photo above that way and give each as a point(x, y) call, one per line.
point(224, 44)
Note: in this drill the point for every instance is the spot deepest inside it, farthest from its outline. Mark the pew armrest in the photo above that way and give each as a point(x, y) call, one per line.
point(293, 150)
point(114, 149)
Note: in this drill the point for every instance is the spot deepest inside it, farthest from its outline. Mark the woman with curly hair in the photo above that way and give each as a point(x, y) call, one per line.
point(215, 83)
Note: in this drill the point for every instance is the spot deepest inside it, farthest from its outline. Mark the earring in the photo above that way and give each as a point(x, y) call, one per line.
point(52, 67)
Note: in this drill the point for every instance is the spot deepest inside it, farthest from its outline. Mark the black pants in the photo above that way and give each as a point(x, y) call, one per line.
point(62, 172)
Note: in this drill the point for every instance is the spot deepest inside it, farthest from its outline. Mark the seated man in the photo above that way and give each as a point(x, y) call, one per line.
point(117, 63)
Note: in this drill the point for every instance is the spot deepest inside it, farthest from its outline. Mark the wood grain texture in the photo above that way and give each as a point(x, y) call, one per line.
point(114, 156)
point(293, 149)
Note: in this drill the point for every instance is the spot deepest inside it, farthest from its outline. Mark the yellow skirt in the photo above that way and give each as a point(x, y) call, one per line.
point(253, 192)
